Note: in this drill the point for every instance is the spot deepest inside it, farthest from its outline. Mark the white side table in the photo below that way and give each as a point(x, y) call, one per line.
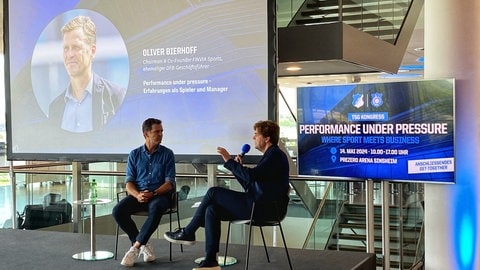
point(93, 254)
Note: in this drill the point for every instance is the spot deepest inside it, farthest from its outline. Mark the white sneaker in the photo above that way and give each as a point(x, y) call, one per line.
point(147, 251)
point(130, 256)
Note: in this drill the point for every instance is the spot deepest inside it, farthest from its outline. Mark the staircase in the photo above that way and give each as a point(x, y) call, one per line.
point(349, 233)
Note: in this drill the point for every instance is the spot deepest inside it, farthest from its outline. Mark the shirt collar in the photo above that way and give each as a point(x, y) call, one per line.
point(144, 148)
point(68, 93)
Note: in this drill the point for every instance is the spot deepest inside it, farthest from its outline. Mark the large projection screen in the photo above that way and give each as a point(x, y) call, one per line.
point(205, 68)
point(397, 131)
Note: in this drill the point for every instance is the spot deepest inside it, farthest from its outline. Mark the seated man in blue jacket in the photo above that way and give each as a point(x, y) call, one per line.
point(267, 181)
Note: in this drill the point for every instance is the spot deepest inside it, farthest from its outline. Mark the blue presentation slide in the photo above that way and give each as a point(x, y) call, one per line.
point(386, 131)
point(202, 67)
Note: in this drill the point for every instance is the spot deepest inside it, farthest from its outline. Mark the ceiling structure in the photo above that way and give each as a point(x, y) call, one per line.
point(411, 67)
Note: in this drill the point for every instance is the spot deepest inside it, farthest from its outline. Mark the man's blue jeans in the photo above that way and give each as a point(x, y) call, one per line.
point(129, 205)
point(217, 205)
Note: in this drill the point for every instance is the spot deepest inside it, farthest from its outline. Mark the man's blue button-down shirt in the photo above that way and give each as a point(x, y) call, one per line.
point(150, 171)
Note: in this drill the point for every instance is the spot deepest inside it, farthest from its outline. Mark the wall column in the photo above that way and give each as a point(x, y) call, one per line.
point(452, 44)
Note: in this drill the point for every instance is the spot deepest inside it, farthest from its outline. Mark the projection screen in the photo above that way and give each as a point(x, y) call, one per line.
point(205, 68)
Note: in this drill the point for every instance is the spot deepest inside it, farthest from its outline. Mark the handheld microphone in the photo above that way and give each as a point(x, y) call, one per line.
point(245, 149)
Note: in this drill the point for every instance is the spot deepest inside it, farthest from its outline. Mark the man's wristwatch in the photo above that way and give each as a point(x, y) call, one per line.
point(154, 193)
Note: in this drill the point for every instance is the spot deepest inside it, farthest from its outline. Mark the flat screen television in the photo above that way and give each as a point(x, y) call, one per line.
point(380, 131)
point(205, 68)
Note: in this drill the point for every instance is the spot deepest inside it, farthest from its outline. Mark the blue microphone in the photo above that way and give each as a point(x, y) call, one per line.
point(245, 149)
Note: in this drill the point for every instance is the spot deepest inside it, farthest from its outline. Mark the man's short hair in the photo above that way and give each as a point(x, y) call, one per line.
point(84, 23)
point(270, 129)
point(148, 123)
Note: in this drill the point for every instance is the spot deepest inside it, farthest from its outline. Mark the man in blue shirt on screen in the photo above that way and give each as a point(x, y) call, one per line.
point(150, 179)
point(89, 101)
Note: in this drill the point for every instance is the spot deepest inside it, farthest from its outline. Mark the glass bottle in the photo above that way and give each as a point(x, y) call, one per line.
point(93, 194)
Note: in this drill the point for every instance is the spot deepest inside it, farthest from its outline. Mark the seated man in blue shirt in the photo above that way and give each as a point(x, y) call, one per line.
point(150, 179)
point(265, 183)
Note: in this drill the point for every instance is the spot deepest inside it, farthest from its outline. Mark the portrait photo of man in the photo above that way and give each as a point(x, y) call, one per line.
point(89, 101)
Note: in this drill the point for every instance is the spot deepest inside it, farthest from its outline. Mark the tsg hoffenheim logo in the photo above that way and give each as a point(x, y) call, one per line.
point(357, 100)
point(377, 100)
